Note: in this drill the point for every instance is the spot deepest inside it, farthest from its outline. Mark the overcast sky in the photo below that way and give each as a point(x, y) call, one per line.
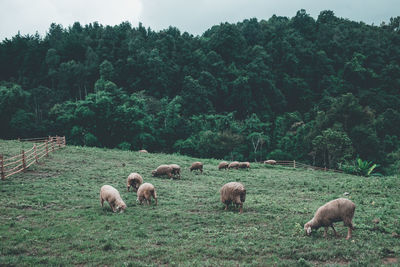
point(193, 16)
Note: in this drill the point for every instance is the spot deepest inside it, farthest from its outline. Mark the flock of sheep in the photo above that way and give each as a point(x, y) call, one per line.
point(340, 209)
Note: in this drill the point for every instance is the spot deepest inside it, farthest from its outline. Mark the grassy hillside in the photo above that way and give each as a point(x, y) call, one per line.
point(52, 215)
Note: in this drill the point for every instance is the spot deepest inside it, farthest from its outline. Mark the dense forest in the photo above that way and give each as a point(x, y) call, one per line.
point(324, 91)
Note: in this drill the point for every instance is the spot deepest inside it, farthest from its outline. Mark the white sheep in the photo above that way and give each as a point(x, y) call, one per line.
point(337, 210)
point(223, 165)
point(233, 165)
point(145, 192)
point(112, 196)
point(176, 170)
point(244, 165)
point(233, 192)
point(134, 180)
point(270, 161)
point(197, 166)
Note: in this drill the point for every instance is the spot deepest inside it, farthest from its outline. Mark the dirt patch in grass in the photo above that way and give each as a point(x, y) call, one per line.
point(390, 260)
point(340, 262)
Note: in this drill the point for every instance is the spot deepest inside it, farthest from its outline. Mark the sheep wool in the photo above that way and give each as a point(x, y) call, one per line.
point(233, 165)
point(337, 210)
point(244, 165)
point(112, 196)
point(134, 180)
point(145, 192)
point(223, 165)
point(233, 192)
point(197, 166)
point(176, 170)
point(163, 170)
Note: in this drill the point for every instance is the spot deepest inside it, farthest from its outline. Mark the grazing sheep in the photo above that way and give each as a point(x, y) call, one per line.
point(197, 166)
point(223, 165)
point(163, 170)
point(337, 210)
point(112, 196)
point(270, 161)
point(176, 169)
point(234, 165)
point(233, 192)
point(145, 192)
point(134, 180)
point(143, 151)
point(244, 165)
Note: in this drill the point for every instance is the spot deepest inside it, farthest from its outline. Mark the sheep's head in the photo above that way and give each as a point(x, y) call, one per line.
point(243, 196)
point(121, 207)
point(154, 173)
point(307, 228)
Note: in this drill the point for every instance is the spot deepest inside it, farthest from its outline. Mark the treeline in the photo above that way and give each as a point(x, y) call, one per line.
point(323, 91)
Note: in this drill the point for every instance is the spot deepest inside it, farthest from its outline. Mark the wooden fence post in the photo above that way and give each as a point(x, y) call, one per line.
point(294, 164)
point(2, 168)
point(47, 148)
point(35, 153)
point(58, 141)
point(23, 160)
point(52, 145)
point(65, 141)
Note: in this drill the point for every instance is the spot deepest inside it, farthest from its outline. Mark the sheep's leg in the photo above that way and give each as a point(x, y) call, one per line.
point(325, 231)
point(153, 194)
point(101, 201)
point(334, 231)
point(128, 188)
point(348, 233)
point(226, 206)
point(241, 208)
point(112, 205)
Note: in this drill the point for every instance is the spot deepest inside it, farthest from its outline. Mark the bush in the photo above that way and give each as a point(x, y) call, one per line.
point(278, 154)
point(360, 167)
point(124, 146)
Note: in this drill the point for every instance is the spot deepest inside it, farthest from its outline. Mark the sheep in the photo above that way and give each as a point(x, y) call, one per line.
point(233, 192)
point(163, 170)
point(197, 166)
point(234, 165)
point(176, 169)
point(145, 192)
point(143, 151)
point(337, 210)
point(244, 165)
point(112, 196)
point(134, 180)
point(270, 161)
point(223, 165)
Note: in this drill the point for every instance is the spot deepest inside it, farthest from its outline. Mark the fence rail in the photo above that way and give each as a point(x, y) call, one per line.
point(296, 164)
point(41, 148)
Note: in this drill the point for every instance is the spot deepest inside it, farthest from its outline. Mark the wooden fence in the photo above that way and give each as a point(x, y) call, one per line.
point(296, 164)
point(41, 147)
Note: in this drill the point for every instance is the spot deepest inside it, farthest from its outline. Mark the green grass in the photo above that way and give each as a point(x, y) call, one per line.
point(51, 214)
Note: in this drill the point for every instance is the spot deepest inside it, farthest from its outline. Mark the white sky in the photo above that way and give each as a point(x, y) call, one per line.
point(193, 16)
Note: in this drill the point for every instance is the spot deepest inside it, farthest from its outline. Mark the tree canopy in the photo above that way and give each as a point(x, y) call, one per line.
point(324, 91)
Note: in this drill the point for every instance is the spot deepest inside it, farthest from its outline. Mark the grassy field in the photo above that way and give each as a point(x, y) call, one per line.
point(51, 215)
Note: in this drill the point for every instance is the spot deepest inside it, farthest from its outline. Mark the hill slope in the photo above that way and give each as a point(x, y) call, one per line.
point(52, 215)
